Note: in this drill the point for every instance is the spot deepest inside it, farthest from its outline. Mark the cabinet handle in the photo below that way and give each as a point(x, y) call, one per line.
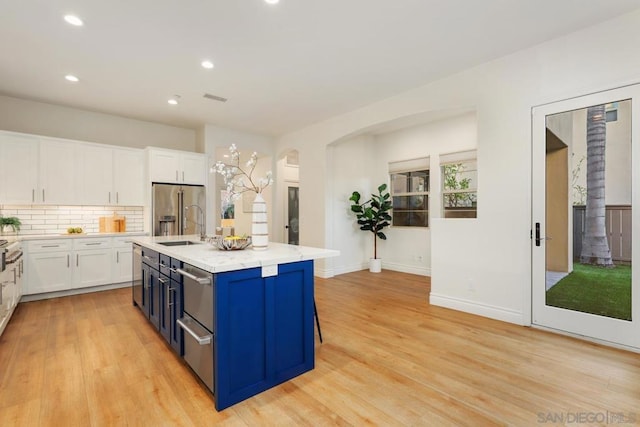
point(1, 286)
point(67, 260)
point(161, 280)
point(15, 276)
point(33, 195)
point(77, 260)
point(50, 246)
point(93, 244)
point(109, 196)
point(176, 175)
point(168, 296)
point(117, 198)
point(43, 194)
point(182, 176)
point(118, 257)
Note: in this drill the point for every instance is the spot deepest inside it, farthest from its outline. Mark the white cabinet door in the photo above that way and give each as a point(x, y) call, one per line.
point(48, 272)
point(194, 168)
point(18, 168)
point(122, 264)
point(164, 166)
point(128, 177)
point(92, 268)
point(95, 175)
point(58, 178)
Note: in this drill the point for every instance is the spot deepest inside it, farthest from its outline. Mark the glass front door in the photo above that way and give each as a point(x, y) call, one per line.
point(584, 195)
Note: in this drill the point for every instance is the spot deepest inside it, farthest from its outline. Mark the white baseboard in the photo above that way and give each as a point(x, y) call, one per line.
point(411, 269)
point(473, 307)
point(421, 271)
point(68, 292)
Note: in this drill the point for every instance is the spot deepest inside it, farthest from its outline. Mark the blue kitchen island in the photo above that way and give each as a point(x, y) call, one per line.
point(242, 320)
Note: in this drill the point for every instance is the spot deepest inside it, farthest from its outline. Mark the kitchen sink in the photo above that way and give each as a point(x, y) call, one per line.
point(179, 243)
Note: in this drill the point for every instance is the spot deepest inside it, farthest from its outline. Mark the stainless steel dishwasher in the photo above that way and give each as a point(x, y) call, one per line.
point(197, 322)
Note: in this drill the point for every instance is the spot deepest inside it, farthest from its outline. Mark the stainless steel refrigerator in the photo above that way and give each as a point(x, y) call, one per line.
point(178, 209)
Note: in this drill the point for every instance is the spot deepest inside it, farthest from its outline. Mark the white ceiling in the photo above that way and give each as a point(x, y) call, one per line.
point(282, 67)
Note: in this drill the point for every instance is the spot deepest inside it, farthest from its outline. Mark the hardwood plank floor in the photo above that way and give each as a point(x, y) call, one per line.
point(389, 358)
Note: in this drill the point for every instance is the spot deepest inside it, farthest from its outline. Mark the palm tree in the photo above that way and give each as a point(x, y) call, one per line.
point(595, 248)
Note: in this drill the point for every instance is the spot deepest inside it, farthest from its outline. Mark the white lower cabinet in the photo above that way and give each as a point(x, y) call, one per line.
point(122, 260)
point(92, 262)
point(67, 263)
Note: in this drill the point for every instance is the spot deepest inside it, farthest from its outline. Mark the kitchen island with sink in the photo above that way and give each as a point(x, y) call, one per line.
point(242, 320)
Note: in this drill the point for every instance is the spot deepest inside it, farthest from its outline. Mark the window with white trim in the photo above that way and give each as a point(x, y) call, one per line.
point(410, 192)
point(459, 184)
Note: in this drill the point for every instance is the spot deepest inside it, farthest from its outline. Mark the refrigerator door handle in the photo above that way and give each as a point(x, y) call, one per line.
point(182, 218)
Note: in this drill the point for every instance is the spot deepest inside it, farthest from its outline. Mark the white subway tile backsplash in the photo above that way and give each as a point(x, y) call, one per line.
point(41, 219)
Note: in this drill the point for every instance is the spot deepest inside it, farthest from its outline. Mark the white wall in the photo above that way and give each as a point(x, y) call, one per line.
point(409, 248)
point(484, 265)
point(353, 169)
point(20, 115)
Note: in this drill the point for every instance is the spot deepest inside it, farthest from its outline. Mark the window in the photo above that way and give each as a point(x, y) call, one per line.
point(459, 184)
point(410, 192)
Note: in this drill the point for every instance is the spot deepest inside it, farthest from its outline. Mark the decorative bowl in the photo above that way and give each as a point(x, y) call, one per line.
point(232, 243)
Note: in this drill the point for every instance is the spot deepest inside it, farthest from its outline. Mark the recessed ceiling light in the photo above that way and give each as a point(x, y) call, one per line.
point(173, 101)
point(74, 20)
point(207, 64)
point(272, 1)
point(72, 78)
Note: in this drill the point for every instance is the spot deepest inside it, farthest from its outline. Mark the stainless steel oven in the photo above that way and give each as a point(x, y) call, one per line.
point(197, 322)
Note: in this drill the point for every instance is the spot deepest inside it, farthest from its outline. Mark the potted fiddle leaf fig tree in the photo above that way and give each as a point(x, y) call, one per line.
point(373, 216)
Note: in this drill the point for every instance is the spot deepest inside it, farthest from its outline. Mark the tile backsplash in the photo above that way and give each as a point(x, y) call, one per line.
point(51, 219)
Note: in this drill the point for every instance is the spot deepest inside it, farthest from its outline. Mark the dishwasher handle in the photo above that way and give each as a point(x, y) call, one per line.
point(202, 340)
point(201, 280)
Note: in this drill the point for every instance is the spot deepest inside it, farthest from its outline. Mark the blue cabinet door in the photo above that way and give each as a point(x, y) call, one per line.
point(263, 330)
point(176, 312)
point(146, 286)
point(154, 297)
point(164, 318)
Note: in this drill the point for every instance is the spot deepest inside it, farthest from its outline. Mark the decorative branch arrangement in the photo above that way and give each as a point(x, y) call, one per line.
point(239, 179)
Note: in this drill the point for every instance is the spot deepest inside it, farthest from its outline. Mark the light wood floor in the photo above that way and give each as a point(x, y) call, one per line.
point(389, 358)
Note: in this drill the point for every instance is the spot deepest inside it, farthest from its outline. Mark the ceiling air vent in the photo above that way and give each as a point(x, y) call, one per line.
point(215, 98)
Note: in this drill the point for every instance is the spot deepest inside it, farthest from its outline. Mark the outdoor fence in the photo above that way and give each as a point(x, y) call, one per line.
point(618, 223)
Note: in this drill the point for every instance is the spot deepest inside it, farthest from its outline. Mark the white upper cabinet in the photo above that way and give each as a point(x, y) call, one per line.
point(111, 176)
point(96, 175)
point(18, 168)
point(58, 177)
point(194, 168)
point(128, 176)
point(53, 171)
point(179, 167)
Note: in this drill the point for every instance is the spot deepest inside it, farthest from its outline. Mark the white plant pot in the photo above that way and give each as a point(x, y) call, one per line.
point(375, 265)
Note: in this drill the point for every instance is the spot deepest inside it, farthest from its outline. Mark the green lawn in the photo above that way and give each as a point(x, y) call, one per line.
point(596, 290)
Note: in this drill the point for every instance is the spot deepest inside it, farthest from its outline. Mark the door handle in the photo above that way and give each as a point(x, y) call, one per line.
point(538, 239)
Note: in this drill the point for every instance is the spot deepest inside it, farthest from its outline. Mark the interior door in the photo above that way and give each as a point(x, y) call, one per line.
point(585, 215)
point(291, 212)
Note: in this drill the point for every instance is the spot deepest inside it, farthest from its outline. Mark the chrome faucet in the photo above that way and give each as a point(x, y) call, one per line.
point(200, 224)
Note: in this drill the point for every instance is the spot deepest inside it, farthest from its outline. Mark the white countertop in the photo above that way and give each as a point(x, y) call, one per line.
point(213, 260)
